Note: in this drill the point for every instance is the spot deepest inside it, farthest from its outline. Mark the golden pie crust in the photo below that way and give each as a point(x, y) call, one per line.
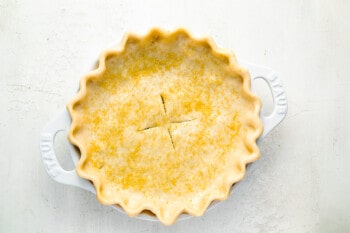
point(166, 123)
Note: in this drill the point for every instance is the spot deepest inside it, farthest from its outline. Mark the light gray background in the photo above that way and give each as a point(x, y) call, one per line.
point(300, 184)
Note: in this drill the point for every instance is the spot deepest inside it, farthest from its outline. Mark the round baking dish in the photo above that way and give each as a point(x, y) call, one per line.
point(63, 122)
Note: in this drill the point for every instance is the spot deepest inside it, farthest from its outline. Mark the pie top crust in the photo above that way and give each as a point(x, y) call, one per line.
point(166, 123)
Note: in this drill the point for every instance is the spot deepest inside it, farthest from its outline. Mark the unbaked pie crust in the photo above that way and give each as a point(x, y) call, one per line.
point(166, 123)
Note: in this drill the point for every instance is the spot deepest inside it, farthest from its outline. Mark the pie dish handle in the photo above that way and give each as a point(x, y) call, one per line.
point(51, 164)
point(280, 103)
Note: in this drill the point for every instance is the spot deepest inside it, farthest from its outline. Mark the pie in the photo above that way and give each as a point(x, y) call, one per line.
point(166, 124)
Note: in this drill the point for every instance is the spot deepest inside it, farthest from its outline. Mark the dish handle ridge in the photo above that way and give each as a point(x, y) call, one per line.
point(53, 168)
point(280, 103)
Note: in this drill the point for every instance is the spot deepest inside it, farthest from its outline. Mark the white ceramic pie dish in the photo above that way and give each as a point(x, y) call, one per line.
point(63, 121)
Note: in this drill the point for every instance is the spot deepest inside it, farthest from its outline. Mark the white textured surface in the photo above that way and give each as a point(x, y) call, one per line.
point(300, 184)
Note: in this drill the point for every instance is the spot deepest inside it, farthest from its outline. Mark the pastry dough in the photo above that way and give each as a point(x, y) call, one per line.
point(166, 123)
